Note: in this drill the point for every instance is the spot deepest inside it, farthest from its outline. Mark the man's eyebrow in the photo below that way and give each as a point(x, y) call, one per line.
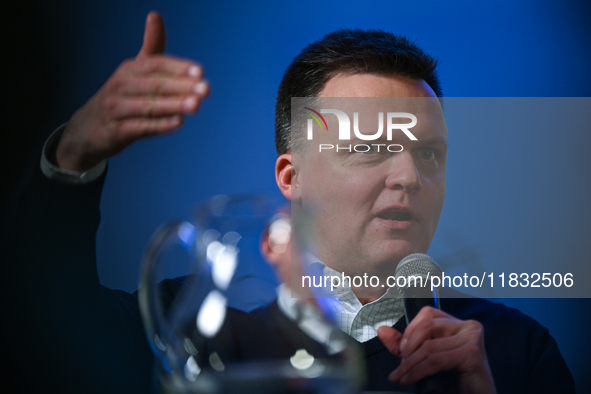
point(434, 141)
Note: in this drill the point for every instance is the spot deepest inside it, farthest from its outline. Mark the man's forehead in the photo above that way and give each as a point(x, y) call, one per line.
point(352, 105)
point(352, 123)
point(371, 85)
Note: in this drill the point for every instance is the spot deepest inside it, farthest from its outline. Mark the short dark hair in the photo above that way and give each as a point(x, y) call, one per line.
point(348, 51)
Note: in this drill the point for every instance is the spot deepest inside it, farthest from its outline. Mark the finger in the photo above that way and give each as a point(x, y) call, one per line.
point(167, 65)
point(154, 36)
point(436, 328)
point(425, 313)
point(470, 344)
point(159, 86)
point(428, 349)
point(425, 367)
point(153, 107)
point(138, 127)
point(423, 364)
point(473, 371)
point(203, 89)
point(390, 337)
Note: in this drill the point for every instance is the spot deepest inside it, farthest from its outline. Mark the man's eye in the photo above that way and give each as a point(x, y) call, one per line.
point(369, 150)
point(427, 154)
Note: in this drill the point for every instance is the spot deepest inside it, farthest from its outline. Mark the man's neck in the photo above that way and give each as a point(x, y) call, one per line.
point(367, 300)
point(367, 295)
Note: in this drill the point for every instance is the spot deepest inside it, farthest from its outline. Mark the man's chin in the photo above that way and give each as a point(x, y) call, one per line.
point(379, 259)
point(392, 251)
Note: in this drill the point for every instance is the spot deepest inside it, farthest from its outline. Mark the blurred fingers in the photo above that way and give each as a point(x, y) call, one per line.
point(159, 86)
point(138, 127)
point(152, 106)
point(166, 65)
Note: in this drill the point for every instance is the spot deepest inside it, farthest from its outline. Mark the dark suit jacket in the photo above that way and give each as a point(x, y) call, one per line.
point(70, 334)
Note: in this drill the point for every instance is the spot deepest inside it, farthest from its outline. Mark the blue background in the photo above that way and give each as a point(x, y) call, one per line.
point(498, 49)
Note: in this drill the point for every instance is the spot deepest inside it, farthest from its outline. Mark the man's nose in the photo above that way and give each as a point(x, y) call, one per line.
point(403, 173)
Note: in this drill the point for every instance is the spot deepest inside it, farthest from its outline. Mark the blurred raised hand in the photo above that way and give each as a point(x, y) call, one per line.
point(145, 96)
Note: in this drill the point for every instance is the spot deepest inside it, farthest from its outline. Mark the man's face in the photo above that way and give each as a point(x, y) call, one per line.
point(373, 209)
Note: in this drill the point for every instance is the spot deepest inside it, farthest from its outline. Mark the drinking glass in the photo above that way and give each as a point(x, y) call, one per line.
point(203, 335)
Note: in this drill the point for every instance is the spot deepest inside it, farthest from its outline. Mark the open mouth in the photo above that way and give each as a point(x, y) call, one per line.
point(395, 215)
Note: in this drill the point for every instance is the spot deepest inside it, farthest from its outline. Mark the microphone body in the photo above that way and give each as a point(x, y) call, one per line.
point(418, 269)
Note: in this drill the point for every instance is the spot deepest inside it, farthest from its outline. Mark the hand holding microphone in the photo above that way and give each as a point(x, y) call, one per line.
point(435, 341)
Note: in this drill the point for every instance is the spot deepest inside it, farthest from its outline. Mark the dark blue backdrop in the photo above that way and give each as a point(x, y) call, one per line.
point(500, 48)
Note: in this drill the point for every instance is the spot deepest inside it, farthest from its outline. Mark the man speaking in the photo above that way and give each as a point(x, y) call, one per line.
point(383, 206)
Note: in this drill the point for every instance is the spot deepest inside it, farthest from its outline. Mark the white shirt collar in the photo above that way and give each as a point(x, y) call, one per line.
point(359, 321)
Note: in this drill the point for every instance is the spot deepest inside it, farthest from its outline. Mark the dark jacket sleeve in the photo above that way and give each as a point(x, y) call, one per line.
point(68, 333)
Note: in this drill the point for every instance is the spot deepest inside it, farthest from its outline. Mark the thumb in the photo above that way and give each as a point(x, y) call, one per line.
point(390, 337)
point(154, 36)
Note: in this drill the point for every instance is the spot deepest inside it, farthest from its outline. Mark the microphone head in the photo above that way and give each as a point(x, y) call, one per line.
point(416, 264)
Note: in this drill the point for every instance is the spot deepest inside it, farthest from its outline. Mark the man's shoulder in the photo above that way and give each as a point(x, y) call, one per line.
point(485, 311)
point(502, 324)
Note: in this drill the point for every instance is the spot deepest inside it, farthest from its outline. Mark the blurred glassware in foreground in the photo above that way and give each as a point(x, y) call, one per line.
point(203, 343)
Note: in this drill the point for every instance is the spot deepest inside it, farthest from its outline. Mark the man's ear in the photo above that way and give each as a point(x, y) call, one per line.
point(287, 177)
point(266, 250)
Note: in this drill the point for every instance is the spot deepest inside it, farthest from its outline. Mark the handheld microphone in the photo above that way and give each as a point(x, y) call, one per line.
point(417, 270)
